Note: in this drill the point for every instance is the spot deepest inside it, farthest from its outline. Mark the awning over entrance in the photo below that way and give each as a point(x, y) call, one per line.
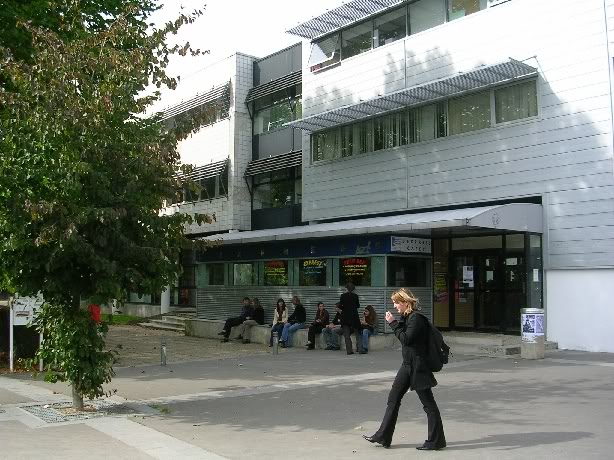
point(522, 217)
point(274, 163)
point(478, 79)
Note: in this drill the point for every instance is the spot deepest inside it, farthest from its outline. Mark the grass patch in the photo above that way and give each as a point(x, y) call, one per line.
point(162, 409)
point(121, 319)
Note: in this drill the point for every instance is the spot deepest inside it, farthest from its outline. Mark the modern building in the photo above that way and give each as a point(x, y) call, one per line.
point(461, 148)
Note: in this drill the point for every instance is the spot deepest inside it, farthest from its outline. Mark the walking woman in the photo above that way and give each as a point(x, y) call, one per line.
point(280, 317)
point(412, 331)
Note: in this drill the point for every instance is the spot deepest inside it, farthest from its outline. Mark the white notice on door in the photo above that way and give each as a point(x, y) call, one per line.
point(536, 275)
point(467, 273)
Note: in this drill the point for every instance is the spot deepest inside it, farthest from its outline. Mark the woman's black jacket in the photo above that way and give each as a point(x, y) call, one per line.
point(412, 331)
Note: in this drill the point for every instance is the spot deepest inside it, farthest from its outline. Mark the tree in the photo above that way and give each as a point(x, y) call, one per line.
point(84, 173)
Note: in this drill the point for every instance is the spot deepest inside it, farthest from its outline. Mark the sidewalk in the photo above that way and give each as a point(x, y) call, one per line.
point(318, 404)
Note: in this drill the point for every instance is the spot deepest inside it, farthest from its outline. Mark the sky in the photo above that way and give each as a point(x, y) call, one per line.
point(251, 27)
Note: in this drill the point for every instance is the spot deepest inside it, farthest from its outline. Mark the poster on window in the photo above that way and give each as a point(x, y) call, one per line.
point(312, 272)
point(356, 270)
point(276, 273)
point(467, 273)
point(440, 291)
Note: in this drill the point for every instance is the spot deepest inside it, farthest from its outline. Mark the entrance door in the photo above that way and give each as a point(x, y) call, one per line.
point(478, 291)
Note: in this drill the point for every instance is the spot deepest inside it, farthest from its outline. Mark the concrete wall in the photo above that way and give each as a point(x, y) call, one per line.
point(579, 313)
point(564, 157)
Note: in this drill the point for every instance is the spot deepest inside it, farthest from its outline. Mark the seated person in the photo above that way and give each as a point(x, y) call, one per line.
point(280, 318)
point(368, 327)
point(332, 331)
point(295, 322)
point(319, 323)
point(246, 312)
point(257, 318)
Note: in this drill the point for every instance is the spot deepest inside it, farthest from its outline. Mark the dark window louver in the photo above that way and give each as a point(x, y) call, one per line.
point(287, 81)
point(264, 165)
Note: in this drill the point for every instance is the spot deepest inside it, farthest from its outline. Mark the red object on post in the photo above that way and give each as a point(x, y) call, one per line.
point(94, 310)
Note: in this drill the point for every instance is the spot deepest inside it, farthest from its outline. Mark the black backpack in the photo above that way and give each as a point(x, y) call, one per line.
point(437, 349)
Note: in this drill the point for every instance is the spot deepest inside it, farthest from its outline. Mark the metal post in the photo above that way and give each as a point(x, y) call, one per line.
point(11, 364)
point(275, 344)
point(40, 344)
point(162, 351)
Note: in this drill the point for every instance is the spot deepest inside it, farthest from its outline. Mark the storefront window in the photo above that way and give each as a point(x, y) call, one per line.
point(312, 272)
point(244, 274)
point(276, 273)
point(409, 272)
point(215, 274)
point(356, 270)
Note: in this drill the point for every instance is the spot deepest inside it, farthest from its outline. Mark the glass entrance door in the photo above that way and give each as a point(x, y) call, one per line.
point(478, 291)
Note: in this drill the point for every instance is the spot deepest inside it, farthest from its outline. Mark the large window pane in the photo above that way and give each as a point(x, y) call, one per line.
point(469, 113)
point(356, 40)
point(427, 123)
point(390, 131)
point(390, 27)
point(273, 117)
point(460, 8)
point(426, 14)
point(274, 195)
point(215, 274)
point(276, 273)
point(356, 270)
point(409, 272)
point(312, 272)
point(245, 274)
point(326, 145)
point(516, 102)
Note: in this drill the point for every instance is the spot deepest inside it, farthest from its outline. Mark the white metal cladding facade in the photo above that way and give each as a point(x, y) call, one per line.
point(221, 302)
point(563, 156)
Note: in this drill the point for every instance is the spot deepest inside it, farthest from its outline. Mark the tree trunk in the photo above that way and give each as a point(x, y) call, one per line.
point(77, 399)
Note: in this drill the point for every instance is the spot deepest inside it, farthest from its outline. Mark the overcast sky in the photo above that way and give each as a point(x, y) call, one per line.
point(255, 27)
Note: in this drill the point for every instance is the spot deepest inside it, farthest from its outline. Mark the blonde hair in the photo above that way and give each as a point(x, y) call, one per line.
point(406, 297)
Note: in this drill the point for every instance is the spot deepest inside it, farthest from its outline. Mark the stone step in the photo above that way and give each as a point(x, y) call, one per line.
point(174, 320)
point(162, 326)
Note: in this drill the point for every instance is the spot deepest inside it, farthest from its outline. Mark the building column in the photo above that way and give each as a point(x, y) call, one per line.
point(165, 300)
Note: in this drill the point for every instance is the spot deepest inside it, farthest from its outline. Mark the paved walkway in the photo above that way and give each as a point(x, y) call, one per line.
point(318, 404)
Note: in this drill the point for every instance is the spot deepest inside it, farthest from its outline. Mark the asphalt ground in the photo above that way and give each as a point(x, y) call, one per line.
point(316, 404)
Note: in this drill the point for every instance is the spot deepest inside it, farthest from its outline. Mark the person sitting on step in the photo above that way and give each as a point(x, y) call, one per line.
point(319, 323)
point(332, 331)
point(246, 312)
point(295, 322)
point(257, 318)
point(280, 318)
point(368, 327)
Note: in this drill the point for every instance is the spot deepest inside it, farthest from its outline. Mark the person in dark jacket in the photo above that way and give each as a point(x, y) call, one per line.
point(333, 330)
point(320, 322)
point(368, 326)
point(350, 321)
point(295, 322)
point(412, 331)
point(257, 318)
point(246, 311)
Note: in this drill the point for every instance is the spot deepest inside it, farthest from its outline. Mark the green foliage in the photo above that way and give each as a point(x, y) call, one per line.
point(121, 319)
point(85, 171)
point(74, 350)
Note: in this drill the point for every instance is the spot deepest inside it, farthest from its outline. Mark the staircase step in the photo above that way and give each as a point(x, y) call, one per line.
point(161, 326)
point(174, 320)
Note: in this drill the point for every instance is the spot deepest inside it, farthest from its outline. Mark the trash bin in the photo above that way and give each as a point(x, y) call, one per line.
point(94, 311)
point(533, 343)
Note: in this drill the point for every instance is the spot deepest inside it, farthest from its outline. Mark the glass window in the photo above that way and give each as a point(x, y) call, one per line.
point(244, 274)
point(356, 270)
point(514, 241)
point(312, 272)
point(215, 274)
point(273, 117)
point(409, 272)
point(390, 131)
point(427, 123)
point(356, 40)
point(326, 145)
point(276, 273)
point(460, 8)
point(324, 52)
point(277, 189)
point(426, 14)
point(208, 189)
point(516, 102)
point(469, 113)
point(390, 27)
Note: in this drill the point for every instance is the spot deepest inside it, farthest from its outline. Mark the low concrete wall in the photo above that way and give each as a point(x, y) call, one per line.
point(142, 310)
point(261, 334)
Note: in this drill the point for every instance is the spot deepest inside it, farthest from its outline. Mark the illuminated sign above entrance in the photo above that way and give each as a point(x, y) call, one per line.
point(409, 244)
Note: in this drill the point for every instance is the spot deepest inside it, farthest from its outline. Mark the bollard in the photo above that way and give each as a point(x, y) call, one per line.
point(533, 338)
point(275, 343)
point(162, 351)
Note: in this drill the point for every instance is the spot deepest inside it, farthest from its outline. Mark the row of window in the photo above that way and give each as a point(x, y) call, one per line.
point(272, 111)
point(209, 189)
point(389, 27)
point(361, 271)
point(455, 116)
